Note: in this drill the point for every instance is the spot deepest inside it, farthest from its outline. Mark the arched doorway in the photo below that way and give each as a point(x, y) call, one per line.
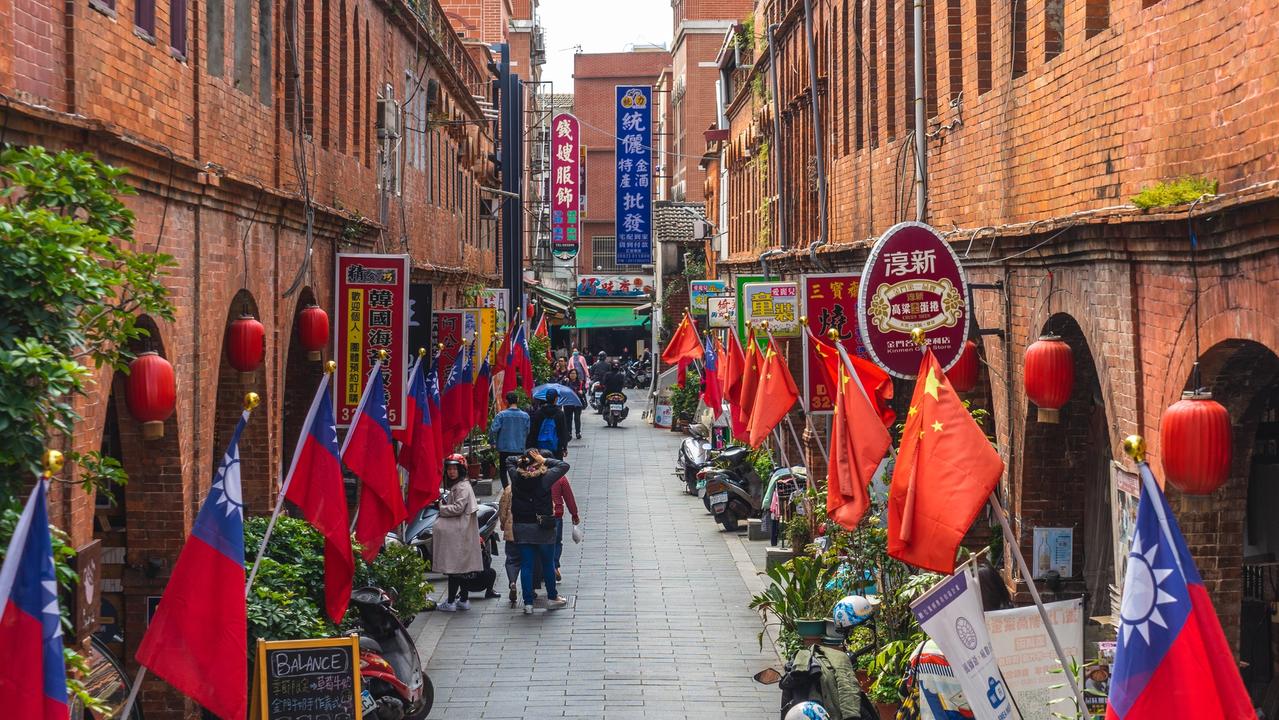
point(1237, 525)
point(256, 468)
point(301, 377)
point(1065, 490)
point(985, 530)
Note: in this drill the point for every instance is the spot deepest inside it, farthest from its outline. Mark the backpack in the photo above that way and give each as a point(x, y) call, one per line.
point(548, 435)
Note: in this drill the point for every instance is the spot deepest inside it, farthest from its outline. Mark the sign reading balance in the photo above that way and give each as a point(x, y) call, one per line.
point(634, 193)
point(372, 315)
point(912, 280)
point(565, 185)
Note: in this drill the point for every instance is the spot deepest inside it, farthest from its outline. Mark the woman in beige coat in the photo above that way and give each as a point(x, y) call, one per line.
point(455, 544)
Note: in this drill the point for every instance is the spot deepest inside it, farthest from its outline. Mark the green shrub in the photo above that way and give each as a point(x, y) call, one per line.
point(1175, 192)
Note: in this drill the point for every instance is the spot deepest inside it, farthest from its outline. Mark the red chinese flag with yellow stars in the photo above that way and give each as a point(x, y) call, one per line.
point(746, 389)
point(946, 470)
point(684, 344)
point(774, 397)
point(858, 444)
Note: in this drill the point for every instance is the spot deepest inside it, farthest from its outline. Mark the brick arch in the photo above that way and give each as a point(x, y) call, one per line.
point(301, 377)
point(256, 468)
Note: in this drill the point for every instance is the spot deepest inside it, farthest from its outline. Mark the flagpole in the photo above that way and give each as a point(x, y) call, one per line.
point(377, 365)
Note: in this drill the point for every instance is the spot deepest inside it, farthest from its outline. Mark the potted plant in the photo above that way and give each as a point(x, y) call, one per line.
point(798, 596)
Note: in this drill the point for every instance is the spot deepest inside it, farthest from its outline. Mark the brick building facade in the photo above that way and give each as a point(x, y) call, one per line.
point(226, 143)
point(1043, 123)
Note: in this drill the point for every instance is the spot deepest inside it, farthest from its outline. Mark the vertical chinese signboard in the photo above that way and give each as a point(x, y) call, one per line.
point(450, 329)
point(830, 303)
point(372, 305)
point(634, 211)
point(774, 302)
point(566, 178)
point(912, 280)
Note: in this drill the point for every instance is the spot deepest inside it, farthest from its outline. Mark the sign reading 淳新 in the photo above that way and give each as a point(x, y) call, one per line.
point(699, 290)
point(633, 214)
point(566, 138)
point(614, 285)
point(775, 302)
point(830, 303)
point(1026, 656)
point(307, 679)
point(951, 615)
point(721, 311)
point(912, 279)
point(372, 314)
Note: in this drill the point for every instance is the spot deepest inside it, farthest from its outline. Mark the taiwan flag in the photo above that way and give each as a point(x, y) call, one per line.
point(195, 641)
point(1171, 660)
point(712, 392)
point(456, 404)
point(314, 484)
point(369, 454)
point(33, 675)
point(518, 363)
point(421, 456)
point(483, 394)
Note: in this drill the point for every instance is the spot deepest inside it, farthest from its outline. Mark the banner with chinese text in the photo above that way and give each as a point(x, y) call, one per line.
point(740, 283)
point(565, 183)
point(449, 332)
point(830, 303)
point(633, 214)
point(721, 311)
point(774, 302)
point(372, 314)
point(699, 290)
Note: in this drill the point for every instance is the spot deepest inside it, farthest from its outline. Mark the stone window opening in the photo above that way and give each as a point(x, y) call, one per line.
point(1018, 23)
point(1054, 28)
point(266, 90)
point(144, 19)
point(1096, 17)
point(983, 47)
point(243, 39)
point(178, 28)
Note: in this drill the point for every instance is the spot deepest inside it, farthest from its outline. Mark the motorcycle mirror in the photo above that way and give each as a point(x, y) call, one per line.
point(395, 595)
point(768, 676)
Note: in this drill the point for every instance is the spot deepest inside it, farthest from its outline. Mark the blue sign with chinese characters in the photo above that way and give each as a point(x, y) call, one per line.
point(634, 211)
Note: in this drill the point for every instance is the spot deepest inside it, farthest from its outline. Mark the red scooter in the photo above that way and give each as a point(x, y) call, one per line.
point(394, 686)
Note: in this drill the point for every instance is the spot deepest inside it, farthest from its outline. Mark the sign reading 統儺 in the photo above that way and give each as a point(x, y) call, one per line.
point(565, 185)
point(774, 302)
point(721, 311)
point(633, 214)
point(372, 315)
point(912, 280)
point(830, 303)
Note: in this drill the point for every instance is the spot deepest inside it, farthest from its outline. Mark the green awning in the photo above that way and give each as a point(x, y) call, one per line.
point(607, 316)
point(556, 301)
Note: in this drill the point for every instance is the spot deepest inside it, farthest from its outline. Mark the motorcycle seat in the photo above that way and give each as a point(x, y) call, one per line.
point(368, 644)
point(733, 454)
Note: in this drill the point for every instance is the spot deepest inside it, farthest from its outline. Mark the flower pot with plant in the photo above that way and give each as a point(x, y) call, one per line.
point(798, 596)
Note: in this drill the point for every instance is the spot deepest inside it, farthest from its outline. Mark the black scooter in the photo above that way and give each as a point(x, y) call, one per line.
point(421, 528)
point(615, 410)
point(394, 686)
point(695, 454)
point(734, 491)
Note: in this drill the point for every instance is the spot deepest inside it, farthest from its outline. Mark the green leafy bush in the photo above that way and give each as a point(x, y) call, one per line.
point(1174, 192)
point(684, 399)
point(538, 348)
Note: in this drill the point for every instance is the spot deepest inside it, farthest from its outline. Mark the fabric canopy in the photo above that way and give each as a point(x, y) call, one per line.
point(607, 316)
point(551, 299)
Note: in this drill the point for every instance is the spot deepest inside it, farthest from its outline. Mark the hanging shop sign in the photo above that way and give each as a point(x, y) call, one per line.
point(830, 303)
point(421, 325)
point(372, 314)
point(699, 290)
point(1026, 657)
point(450, 328)
point(499, 299)
point(480, 324)
point(775, 302)
point(307, 679)
point(912, 280)
point(721, 311)
point(614, 285)
point(566, 138)
point(633, 213)
point(951, 615)
point(739, 284)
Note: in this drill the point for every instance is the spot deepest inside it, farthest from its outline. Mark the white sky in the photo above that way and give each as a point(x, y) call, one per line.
point(598, 26)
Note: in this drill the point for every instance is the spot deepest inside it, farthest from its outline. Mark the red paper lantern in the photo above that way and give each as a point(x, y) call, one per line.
point(1050, 376)
point(246, 345)
point(963, 374)
point(313, 331)
point(151, 393)
point(1195, 436)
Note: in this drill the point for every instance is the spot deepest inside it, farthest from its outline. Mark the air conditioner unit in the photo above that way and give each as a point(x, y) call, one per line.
point(701, 230)
point(388, 119)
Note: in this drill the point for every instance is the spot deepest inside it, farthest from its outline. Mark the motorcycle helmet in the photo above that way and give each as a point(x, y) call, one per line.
point(853, 611)
point(807, 710)
point(602, 355)
point(459, 460)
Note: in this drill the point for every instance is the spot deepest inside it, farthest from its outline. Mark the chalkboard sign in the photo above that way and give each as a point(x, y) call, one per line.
point(307, 680)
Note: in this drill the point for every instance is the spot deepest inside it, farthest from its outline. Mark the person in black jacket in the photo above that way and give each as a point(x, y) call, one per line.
point(553, 437)
point(614, 380)
point(533, 514)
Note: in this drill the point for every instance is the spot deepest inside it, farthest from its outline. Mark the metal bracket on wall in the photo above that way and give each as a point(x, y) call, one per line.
point(998, 286)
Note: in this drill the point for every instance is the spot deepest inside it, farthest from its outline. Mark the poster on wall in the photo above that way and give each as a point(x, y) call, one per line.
point(499, 299)
point(1125, 495)
point(1026, 656)
point(776, 303)
point(372, 314)
point(912, 280)
point(565, 183)
point(830, 303)
point(633, 214)
point(739, 283)
point(699, 290)
point(1054, 548)
point(721, 311)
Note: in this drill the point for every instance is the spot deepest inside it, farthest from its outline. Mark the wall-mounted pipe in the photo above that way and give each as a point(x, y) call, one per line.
point(819, 140)
point(783, 232)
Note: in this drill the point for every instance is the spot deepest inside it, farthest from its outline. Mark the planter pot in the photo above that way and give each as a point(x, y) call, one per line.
point(887, 711)
point(473, 469)
point(810, 628)
point(863, 679)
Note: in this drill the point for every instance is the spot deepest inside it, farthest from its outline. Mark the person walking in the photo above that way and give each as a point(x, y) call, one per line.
point(532, 513)
point(456, 543)
point(508, 431)
point(562, 496)
point(548, 428)
point(577, 361)
point(577, 384)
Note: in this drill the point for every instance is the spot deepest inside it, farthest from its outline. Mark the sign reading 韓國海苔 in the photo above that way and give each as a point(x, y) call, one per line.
point(634, 199)
point(566, 141)
point(372, 315)
point(912, 280)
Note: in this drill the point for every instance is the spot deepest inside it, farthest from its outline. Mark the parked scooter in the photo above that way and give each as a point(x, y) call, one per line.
point(615, 410)
point(421, 528)
point(596, 398)
point(695, 453)
point(394, 686)
point(639, 374)
point(734, 491)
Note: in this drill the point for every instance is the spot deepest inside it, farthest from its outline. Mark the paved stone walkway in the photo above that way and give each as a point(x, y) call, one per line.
point(657, 625)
